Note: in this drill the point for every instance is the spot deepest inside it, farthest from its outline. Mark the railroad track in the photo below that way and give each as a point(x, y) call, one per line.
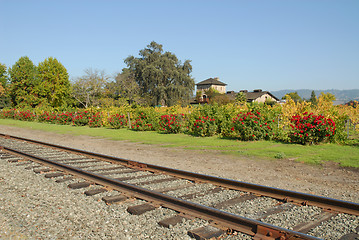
point(228, 206)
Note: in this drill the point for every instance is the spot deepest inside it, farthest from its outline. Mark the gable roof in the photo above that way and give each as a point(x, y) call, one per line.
point(211, 81)
point(251, 96)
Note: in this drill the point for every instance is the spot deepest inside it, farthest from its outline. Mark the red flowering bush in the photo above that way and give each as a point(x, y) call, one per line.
point(48, 117)
point(249, 126)
point(8, 113)
point(204, 127)
point(172, 123)
point(95, 120)
point(25, 115)
point(64, 118)
point(81, 118)
point(311, 128)
point(143, 122)
point(117, 121)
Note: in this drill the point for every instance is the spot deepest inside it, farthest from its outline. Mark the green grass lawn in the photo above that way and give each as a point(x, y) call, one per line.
point(345, 155)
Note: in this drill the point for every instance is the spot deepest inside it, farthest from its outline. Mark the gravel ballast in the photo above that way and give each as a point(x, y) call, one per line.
point(36, 207)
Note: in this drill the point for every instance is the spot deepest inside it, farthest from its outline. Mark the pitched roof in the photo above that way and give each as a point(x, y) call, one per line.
point(211, 81)
point(251, 96)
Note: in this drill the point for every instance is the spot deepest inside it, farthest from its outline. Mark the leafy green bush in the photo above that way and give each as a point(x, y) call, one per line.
point(146, 119)
point(48, 117)
point(204, 127)
point(10, 113)
point(64, 118)
point(204, 120)
point(25, 115)
point(117, 121)
point(95, 120)
point(249, 126)
point(311, 128)
point(340, 135)
point(81, 118)
point(171, 123)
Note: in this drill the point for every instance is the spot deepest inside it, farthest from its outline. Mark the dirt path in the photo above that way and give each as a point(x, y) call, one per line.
point(327, 180)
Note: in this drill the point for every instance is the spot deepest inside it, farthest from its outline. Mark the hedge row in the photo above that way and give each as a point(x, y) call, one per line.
point(246, 124)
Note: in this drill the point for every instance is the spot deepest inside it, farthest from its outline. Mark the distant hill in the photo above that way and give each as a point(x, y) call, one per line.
point(343, 95)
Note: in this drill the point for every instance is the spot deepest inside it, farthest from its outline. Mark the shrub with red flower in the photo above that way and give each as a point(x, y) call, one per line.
point(8, 113)
point(311, 128)
point(117, 121)
point(204, 126)
point(95, 120)
point(25, 115)
point(48, 117)
point(64, 118)
point(172, 123)
point(81, 118)
point(249, 126)
point(143, 122)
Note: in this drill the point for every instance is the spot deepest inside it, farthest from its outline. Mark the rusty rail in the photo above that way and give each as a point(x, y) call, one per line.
point(223, 219)
point(280, 194)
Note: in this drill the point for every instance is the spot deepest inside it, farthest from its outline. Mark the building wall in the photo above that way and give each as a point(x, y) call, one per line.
point(264, 98)
point(220, 89)
point(203, 88)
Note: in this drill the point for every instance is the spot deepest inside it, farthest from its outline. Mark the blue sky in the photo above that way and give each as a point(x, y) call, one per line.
point(267, 44)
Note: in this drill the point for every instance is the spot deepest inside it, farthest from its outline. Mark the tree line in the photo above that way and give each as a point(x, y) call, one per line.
point(154, 78)
point(329, 97)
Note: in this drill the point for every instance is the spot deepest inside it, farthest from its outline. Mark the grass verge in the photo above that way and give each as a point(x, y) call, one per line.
point(347, 156)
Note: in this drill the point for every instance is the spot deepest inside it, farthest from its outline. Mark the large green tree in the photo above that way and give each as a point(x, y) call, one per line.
point(161, 77)
point(328, 97)
point(4, 93)
point(124, 89)
point(55, 85)
point(294, 96)
point(24, 83)
point(3, 79)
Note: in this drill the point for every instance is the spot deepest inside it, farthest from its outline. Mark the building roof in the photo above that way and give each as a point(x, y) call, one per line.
point(211, 81)
point(251, 96)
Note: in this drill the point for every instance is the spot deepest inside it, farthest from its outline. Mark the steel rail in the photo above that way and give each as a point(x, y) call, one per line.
point(258, 229)
point(330, 204)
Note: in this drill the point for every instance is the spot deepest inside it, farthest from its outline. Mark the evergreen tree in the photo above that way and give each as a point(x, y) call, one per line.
point(313, 98)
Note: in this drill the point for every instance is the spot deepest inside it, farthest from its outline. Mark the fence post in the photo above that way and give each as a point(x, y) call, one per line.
point(129, 120)
point(348, 123)
point(278, 118)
